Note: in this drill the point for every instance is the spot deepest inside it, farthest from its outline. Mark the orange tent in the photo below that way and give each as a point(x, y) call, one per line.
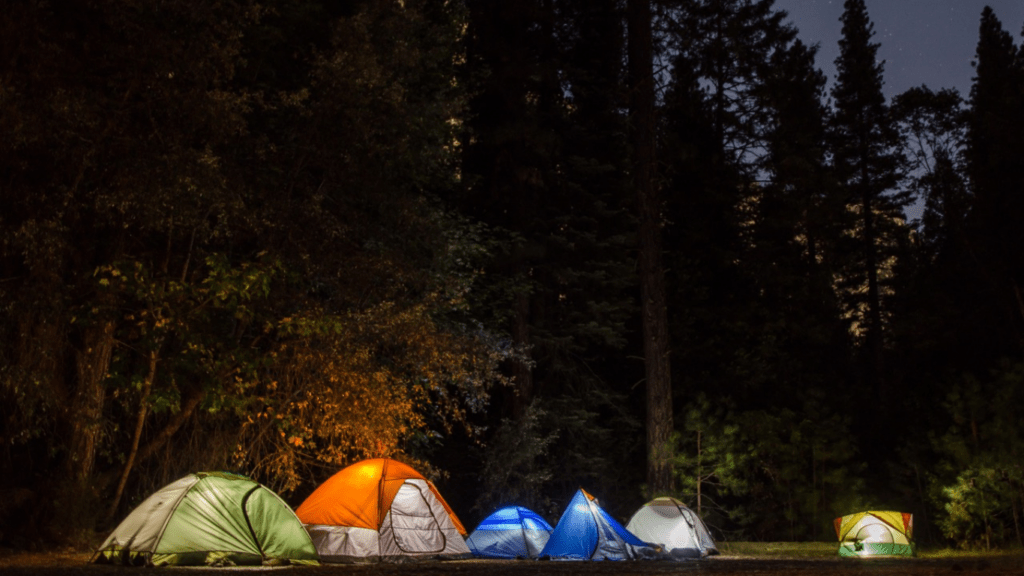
point(381, 507)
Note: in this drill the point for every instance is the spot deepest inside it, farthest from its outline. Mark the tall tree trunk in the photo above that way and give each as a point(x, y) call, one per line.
point(652, 277)
point(190, 400)
point(91, 364)
point(140, 421)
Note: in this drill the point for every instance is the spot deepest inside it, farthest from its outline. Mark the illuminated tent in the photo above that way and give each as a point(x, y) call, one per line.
point(381, 509)
point(678, 530)
point(209, 518)
point(511, 532)
point(875, 533)
point(586, 532)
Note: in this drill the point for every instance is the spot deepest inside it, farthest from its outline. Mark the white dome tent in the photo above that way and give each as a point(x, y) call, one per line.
point(668, 523)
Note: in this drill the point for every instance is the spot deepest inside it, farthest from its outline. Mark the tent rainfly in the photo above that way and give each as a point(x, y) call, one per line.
point(381, 509)
point(510, 532)
point(209, 518)
point(678, 530)
point(875, 533)
point(586, 532)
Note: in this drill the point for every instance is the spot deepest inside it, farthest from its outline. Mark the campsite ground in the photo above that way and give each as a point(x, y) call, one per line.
point(739, 559)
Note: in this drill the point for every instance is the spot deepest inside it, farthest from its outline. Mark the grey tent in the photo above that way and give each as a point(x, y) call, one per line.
point(677, 529)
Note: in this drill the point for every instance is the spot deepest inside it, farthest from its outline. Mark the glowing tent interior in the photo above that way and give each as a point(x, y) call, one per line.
point(586, 532)
point(678, 530)
point(875, 533)
point(381, 509)
point(510, 532)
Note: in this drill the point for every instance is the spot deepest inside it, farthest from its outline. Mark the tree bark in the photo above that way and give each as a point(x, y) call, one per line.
point(140, 421)
point(188, 406)
point(92, 362)
point(652, 280)
point(190, 402)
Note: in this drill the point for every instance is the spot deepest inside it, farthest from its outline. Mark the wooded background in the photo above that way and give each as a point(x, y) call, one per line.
point(631, 246)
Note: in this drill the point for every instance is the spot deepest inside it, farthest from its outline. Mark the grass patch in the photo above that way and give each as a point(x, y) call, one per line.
point(956, 553)
point(779, 549)
point(831, 550)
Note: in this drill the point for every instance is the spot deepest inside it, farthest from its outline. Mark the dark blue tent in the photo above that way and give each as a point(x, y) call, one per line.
point(511, 532)
point(586, 532)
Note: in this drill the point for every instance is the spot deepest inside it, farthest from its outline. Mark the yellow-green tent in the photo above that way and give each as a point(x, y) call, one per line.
point(875, 533)
point(212, 518)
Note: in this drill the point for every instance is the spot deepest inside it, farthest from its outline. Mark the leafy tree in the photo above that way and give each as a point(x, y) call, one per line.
point(114, 127)
point(800, 195)
point(769, 475)
point(931, 310)
point(708, 460)
point(980, 480)
point(515, 470)
point(203, 230)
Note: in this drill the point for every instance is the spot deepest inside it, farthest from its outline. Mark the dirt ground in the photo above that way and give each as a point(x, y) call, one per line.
point(76, 564)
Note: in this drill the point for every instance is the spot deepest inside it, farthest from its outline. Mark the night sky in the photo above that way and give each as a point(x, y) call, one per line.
point(928, 42)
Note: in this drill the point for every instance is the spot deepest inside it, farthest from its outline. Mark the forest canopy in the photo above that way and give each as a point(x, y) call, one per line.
point(504, 241)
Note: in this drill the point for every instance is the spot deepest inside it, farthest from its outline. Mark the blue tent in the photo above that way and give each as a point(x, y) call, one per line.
point(511, 532)
point(586, 532)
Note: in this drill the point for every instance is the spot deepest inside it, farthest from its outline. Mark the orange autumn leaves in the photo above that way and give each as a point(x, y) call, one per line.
point(347, 387)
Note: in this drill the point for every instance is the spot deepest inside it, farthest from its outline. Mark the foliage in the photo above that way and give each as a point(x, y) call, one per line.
point(251, 233)
point(342, 385)
point(980, 481)
point(709, 460)
point(279, 236)
point(782, 475)
point(933, 127)
point(514, 471)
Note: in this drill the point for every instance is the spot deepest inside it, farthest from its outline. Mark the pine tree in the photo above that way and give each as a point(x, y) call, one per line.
point(933, 128)
point(728, 45)
point(796, 222)
point(995, 145)
point(867, 161)
point(754, 213)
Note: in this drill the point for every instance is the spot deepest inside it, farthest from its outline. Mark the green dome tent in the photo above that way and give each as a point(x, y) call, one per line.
point(210, 518)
